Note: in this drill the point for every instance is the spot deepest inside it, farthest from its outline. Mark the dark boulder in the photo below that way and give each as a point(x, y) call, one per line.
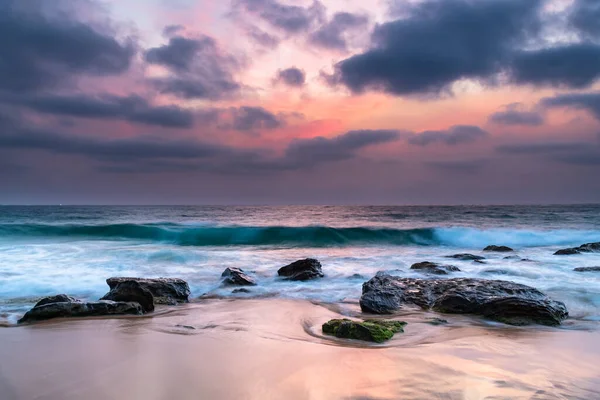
point(499, 300)
point(302, 270)
point(80, 309)
point(433, 268)
point(567, 252)
point(587, 269)
point(164, 290)
point(498, 249)
point(59, 298)
point(241, 290)
point(466, 257)
point(584, 248)
point(370, 330)
point(131, 291)
point(237, 277)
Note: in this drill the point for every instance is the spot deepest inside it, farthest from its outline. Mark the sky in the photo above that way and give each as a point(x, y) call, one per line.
point(299, 101)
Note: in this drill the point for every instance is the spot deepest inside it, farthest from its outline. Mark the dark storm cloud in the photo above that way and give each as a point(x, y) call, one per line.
point(332, 34)
point(573, 65)
point(438, 43)
point(583, 101)
point(585, 17)
point(292, 76)
point(39, 51)
point(199, 69)
point(515, 115)
point(254, 118)
point(455, 135)
point(131, 108)
point(288, 18)
point(321, 149)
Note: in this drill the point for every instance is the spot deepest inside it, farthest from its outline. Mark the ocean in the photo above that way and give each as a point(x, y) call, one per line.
point(47, 250)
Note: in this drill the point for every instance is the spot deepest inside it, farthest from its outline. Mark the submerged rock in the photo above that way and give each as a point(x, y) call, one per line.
point(584, 248)
point(503, 301)
point(236, 276)
point(164, 290)
point(498, 249)
point(80, 309)
point(587, 269)
point(370, 330)
point(59, 298)
point(433, 268)
point(302, 270)
point(242, 290)
point(437, 321)
point(466, 257)
point(131, 291)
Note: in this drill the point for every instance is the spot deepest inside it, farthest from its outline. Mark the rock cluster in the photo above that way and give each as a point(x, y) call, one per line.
point(584, 248)
point(503, 301)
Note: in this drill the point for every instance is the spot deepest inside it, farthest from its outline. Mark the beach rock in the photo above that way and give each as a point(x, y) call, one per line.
point(370, 330)
point(242, 290)
point(131, 291)
point(584, 248)
point(498, 249)
point(236, 276)
point(59, 298)
point(302, 270)
point(165, 290)
point(80, 309)
point(503, 301)
point(587, 269)
point(437, 321)
point(433, 268)
point(466, 257)
point(567, 252)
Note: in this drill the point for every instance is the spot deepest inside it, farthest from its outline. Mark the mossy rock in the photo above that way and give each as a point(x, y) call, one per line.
point(370, 330)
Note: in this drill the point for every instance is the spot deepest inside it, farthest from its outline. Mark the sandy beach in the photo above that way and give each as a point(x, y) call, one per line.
point(274, 349)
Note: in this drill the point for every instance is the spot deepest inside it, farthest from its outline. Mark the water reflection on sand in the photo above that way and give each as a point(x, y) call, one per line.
point(273, 349)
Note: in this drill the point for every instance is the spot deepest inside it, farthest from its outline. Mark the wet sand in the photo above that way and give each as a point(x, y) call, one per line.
point(273, 349)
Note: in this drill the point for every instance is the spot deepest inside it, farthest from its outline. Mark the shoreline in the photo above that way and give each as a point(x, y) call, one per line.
point(273, 348)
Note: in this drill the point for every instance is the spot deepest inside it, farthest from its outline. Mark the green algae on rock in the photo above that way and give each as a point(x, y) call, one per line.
point(370, 330)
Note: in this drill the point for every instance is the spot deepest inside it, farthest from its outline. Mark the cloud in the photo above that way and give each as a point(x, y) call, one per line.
point(254, 118)
point(292, 76)
point(585, 17)
point(573, 65)
point(129, 150)
point(458, 134)
point(321, 149)
point(291, 19)
point(198, 68)
point(515, 115)
point(261, 37)
point(333, 34)
point(43, 50)
point(583, 101)
point(573, 153)
point(130, 108)
point(541, 148)
point(438, 43)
